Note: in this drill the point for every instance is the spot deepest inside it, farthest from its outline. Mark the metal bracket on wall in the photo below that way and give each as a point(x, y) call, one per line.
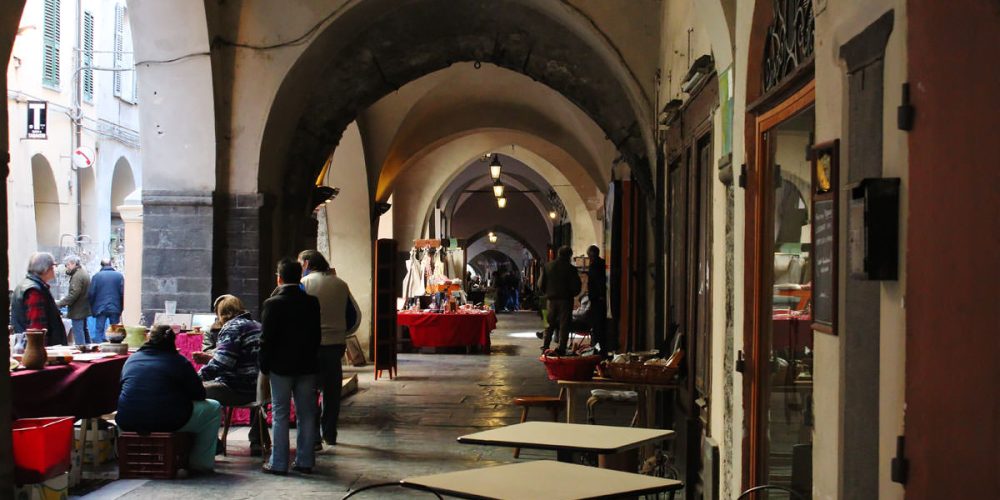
point(905, 112)
point(743, 176)
point(900, 467)
point(741, 364)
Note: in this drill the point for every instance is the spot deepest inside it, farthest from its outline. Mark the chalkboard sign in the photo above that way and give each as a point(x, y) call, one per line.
point(824, 289)
point(825, 165)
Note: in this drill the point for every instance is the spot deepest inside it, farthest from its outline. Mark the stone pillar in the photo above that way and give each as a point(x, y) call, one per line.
point(177, 251)
point(132, 216)
point(239, 262)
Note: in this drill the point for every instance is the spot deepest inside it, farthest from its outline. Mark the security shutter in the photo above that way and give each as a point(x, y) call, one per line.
point(50, 44)
point(88, 56)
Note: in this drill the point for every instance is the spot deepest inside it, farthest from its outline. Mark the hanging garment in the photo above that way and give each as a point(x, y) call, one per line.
point(413, 284)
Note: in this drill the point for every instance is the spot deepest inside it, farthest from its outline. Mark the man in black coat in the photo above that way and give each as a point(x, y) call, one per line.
point(597, 290)
point(289, 347)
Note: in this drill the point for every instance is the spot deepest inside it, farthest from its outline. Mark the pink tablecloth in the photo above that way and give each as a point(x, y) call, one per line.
point(79, 389)
point(449, 329)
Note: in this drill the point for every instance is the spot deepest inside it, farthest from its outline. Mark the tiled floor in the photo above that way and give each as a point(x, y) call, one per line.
point(393, 429)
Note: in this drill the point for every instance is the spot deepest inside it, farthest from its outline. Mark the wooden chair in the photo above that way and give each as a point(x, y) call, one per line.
point(553, 403)
point(257, 410)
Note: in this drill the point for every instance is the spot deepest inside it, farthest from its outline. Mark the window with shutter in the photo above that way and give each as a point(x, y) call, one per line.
point(50, 44)
point(119, 43)
point(88, 57)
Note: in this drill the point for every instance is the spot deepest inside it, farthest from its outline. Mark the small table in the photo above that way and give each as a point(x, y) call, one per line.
point(645, 394)
point(543, 479)
point(568, 438)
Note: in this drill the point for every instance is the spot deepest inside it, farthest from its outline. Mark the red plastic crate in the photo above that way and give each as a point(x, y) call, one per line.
point(156, 455)
point(41, 448)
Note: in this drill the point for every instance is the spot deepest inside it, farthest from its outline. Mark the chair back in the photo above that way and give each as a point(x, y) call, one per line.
point(263, 388)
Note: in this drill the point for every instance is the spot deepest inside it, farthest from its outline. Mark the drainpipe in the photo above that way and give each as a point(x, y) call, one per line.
point(77, 112)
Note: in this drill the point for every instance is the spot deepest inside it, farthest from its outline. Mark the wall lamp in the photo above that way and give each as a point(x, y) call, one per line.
point(323, 194)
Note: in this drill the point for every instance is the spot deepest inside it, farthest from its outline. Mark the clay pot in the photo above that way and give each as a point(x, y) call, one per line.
point(34, 352)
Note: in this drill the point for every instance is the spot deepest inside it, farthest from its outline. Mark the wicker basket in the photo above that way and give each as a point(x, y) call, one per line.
point(640, 373)
point(570, 367)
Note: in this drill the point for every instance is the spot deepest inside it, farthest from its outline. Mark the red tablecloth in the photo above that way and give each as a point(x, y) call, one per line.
point(449, 329)
point(791, 332)
point(79, 389)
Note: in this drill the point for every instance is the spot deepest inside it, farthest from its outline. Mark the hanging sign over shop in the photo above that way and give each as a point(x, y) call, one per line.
point(83, 157)
point(38, 112)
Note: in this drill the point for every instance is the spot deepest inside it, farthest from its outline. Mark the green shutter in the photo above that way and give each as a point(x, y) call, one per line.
point(88, 56)
point(119, 37)
point(50, 44)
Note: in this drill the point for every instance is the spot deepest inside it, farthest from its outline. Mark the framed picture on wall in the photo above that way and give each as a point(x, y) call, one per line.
point(825, 223)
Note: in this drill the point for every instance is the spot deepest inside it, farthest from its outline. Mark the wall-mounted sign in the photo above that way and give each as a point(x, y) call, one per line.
point(825, 175)
point(38, 112)
point(84, 157)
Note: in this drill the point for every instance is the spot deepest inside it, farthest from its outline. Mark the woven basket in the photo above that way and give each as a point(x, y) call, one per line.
point(640, 373)
point(570, 367)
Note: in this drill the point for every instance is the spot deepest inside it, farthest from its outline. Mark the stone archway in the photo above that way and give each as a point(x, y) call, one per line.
point(379, 46)
point(47, 206)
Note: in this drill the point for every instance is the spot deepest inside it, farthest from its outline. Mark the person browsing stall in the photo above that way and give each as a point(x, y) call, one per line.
point(559, 284)
point(78, 307)
point(289, 343)
point(338, 317)
point(32, 306)
point(106, 295)
point(160, 392)
point(230, 372)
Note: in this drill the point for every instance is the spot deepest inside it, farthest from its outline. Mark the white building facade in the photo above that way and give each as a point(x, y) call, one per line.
point(76, 58)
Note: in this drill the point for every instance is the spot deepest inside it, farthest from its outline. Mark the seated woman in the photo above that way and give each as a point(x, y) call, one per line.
point(231, 372)
point(160, 392)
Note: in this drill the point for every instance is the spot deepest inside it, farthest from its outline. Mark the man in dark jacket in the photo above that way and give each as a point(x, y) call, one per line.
point(597, 290)
point(289, 347)
point(76, 299)
point(160, 392)
point(560, 284)
point(32, 306)
point(107, 292)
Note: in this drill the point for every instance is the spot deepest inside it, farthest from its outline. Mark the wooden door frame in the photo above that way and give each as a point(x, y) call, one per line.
point(759, 275)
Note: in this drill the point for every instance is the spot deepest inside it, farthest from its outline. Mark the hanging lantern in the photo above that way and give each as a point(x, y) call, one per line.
point(501, 202)
point(498, 189)
point(552, 214)
point(495, 168)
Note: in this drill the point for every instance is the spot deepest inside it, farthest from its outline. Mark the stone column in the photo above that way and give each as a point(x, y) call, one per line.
point(132, 216)
point(177, 251)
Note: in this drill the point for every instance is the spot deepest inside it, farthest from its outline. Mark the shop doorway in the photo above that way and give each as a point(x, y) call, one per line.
point(781, 346)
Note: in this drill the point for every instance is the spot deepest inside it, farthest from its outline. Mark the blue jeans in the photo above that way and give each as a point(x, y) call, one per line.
point(204, 424)
point(101, 324)
point(283, 389)
point(80, 335)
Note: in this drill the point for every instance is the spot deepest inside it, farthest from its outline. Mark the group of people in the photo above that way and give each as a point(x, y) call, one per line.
point(294, 351)
point(33, 307)
point(561, 286)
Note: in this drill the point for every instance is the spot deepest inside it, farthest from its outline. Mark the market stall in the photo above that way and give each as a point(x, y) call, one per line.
point(465, 328)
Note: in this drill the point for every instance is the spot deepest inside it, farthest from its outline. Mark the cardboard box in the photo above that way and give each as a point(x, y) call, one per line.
point(56, 488)
point(100, 445)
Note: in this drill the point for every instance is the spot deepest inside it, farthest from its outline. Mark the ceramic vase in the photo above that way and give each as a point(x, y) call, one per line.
point(34, 352)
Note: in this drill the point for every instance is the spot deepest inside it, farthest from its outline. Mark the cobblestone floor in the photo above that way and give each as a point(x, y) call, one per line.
point(392, 429)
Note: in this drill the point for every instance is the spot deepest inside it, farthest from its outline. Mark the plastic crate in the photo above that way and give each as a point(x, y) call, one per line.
point(41, 448)
point(156, 455)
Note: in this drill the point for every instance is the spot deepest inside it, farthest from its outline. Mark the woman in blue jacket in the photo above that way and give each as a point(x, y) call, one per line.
point(160, 392)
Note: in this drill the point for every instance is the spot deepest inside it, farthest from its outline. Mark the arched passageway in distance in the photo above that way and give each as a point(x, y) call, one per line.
point(47, 207)
point(122, 185)
point(380, 46)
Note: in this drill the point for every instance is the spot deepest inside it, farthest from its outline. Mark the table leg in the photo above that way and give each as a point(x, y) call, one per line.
point(570, 403)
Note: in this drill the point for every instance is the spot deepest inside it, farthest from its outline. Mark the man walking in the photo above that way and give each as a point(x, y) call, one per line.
point(76, 299)
point(560, 284)
point(289, 342)
point(32, 306)
point(336, 305)
point(106, 295)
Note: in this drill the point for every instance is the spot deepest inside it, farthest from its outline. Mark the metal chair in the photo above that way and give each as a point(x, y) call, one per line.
point(257, 410)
